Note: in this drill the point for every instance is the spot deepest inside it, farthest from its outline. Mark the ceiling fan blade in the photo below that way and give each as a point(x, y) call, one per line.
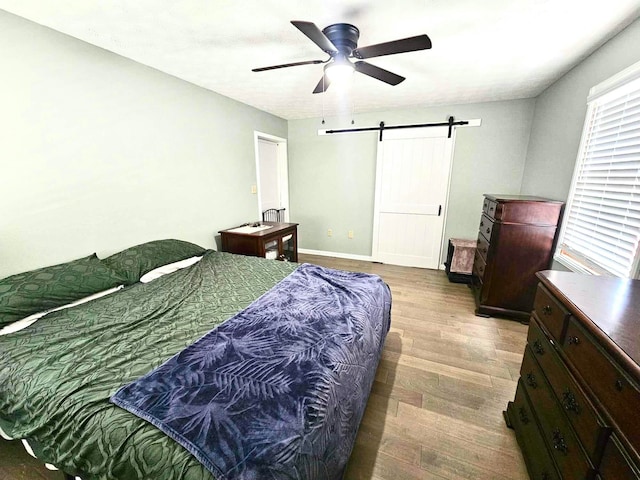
point(315, 35)
point(378, 73)
point(285, 65)
point(323, 84)
point(411, 44)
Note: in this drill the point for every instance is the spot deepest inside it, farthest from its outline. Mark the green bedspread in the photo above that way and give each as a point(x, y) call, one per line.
point(57, 375)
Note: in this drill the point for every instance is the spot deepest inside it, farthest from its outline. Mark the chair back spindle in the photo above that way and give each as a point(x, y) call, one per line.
point(273, 215)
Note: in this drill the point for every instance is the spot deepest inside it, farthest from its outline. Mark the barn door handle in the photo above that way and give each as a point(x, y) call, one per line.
point(439, 209)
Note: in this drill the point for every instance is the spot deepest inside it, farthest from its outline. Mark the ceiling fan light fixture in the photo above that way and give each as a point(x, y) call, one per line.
point(339, 72)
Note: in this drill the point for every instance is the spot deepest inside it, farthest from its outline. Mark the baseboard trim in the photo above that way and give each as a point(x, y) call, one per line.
point(347, 256)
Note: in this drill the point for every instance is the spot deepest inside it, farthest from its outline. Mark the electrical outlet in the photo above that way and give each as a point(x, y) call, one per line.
point(254, 189)
point(329, 233)
point(350, 235)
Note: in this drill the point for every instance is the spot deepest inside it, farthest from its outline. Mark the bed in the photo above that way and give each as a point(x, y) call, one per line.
point(91, 387)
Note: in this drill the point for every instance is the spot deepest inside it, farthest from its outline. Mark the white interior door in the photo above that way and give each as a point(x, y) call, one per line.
point(412, 183)
point(272, 173)
point(268, 187)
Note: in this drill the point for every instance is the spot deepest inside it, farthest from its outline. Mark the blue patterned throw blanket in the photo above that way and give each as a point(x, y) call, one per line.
point(279, 389)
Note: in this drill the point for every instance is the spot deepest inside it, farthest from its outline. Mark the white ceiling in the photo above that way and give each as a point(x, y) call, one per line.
point(483, 50)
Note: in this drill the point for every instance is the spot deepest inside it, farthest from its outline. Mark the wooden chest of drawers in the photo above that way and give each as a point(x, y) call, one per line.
point(515, 240)
point(575, 412)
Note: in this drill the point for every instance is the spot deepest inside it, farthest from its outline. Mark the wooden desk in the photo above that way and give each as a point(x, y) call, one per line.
point(280, 241)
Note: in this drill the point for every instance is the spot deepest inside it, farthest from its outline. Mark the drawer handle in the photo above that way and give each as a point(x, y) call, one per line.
point(537, 347)
point(488, 229)
point(558, 442)
point(619, 385)
point(569, 402)
point(491, 209)
point(546, 310)
point(574, 340)
point(524, 418)
point(531, 380)
point(481, 223)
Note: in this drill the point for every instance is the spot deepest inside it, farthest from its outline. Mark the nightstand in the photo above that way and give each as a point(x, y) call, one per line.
point(272, 240)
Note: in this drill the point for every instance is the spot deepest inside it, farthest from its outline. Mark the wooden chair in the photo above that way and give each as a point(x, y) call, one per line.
point(273, 215)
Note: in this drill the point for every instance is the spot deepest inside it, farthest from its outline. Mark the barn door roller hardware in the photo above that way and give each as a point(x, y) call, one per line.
point(450, 123)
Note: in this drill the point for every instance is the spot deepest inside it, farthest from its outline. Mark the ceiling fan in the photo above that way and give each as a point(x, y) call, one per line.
point(340, 41)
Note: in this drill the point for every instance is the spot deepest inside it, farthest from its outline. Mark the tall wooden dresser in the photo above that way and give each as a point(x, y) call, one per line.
point(515, 240)
point(576, 411)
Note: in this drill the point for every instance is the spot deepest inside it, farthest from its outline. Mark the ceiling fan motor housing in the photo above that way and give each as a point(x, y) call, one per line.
point(344, 36)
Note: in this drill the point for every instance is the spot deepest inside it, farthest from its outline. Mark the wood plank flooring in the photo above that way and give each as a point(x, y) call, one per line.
point(435, 410)
point(17, 464)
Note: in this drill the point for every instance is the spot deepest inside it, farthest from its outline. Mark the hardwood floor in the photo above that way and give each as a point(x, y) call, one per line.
point(17, 464)
point(435, 410)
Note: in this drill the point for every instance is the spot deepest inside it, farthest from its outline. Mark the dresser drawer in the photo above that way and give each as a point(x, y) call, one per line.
point(482, 246)
point(523, 420)
point(551, 313)
point(538, 341)
point(587, 424)
point(479, 266)
point(486, 226)
point(614, 391)
point(557, 432)
point(489, 207)
point(616, 464)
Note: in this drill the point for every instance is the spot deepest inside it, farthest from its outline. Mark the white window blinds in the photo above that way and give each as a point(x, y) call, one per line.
point(601, 228)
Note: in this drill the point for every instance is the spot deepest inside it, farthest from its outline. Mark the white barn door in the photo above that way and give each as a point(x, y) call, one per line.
point(412, 183)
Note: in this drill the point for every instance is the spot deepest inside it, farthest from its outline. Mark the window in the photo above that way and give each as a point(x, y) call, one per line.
point(601, 226)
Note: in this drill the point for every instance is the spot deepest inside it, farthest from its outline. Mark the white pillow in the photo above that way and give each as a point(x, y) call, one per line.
point(4, 435)
point(31, 319)
point(168, 268)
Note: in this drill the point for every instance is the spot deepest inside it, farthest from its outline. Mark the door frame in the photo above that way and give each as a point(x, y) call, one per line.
point(449, 152)
point(283, 169)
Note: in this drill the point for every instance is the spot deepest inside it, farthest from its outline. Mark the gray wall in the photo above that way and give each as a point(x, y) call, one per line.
point(332, 178)
point(523, 146)
point(99, 153)
point(560, 111)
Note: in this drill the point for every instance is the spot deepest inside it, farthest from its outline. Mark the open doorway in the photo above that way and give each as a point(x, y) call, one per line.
point(272, 174)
